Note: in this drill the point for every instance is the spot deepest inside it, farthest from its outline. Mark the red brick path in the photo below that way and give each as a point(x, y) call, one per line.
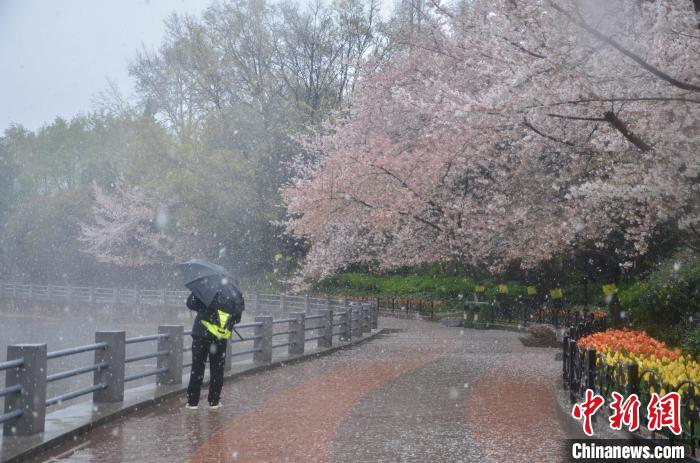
point(510, 410)
point(425, 393)
point(299, 424)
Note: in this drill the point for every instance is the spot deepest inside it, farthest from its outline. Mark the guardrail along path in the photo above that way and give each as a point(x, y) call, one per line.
point(424, 393)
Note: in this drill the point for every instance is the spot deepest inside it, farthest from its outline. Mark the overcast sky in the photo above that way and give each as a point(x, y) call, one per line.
point(56, 55)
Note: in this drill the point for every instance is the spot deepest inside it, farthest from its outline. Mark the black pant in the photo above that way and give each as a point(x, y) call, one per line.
point(216, 350)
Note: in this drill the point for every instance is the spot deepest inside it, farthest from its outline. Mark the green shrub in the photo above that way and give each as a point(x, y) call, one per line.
point(662, 304)
point(420, 286)
point(692, 343)
point(666, 301)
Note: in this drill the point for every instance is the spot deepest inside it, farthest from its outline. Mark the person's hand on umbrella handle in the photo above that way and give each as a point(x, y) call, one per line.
point(233, 320)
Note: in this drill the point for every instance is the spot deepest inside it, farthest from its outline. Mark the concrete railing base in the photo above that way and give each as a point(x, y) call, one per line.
point(70, 422)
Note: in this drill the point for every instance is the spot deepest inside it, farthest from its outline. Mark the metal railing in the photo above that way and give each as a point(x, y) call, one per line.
point(480, 314)
point(74, 372)
point(14, 389)
point(163, 297)
point(26, 377)
point(284, 302)
point(14, 291)
point(584, 369)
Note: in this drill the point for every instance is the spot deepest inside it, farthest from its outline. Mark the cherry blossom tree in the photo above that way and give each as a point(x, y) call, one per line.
point(511, 130)
point(128, 228)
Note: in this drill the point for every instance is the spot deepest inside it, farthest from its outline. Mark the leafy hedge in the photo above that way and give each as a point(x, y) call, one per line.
point(446, 288)
point(427, 286)
point(666, 303)
point(451, 290)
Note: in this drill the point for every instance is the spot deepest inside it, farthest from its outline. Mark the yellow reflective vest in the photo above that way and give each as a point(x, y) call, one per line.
point(219, 331)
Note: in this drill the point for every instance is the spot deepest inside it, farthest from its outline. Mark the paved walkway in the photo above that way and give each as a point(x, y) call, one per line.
point(423, 393)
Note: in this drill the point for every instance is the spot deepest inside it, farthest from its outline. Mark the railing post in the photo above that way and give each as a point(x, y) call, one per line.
point(375, 316)
point(297, 334)
point(263, 339)
point(366, 322)
point(112, 376)
point(590, 369)
point(345, 327)
point(356, 323)
point(283, 303)
point(351, 322)
point(31, 377)
point(327, 302)
point(173, 360)
point(632, 378)
point(256, 297)
point(326, 328)
point(565, 360)
point(576, 371)
point(307, 304)
point(349, 310)
point(571, 349)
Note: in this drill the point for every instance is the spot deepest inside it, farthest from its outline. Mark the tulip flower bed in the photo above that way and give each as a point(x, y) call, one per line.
point(625, 345)
point(628, 361)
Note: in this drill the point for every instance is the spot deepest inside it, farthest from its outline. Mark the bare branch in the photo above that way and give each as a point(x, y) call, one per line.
point(577, 118)
point(622, 128)
point(413, 216)
point(542, 134)
point(523, 49)
point(629, 99)
point(613, 43)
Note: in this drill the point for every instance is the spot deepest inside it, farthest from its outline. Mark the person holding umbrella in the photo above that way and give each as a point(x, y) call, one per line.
point(219, 304)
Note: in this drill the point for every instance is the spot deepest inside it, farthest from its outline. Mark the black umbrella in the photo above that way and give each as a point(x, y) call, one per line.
point(207, 280)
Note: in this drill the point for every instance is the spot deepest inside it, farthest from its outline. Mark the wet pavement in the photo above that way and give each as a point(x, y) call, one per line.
point(420, 393)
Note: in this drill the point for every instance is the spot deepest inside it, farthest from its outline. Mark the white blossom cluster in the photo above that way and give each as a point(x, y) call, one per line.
point(127, 228)
point(510, 131)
